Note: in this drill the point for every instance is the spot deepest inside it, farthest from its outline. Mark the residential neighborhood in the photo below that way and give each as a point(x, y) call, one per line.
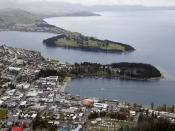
point(30, 101)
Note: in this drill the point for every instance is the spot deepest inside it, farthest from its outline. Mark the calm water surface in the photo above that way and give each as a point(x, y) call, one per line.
point(151, 33)
point(159, 92)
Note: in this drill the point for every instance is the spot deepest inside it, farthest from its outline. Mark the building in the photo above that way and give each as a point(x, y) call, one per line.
point(101, 106)
point(16, 129)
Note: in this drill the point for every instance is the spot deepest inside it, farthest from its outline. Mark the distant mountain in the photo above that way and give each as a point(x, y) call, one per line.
point(67, 14)
point(128, 8)
point(55, 8)
point(49, 9)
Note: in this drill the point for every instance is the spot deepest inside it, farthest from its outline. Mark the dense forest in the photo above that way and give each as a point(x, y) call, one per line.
point(151, 123)
point(138, 71)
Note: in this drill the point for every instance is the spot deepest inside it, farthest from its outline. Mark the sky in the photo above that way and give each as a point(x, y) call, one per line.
point(103, 2)
point(112, 2)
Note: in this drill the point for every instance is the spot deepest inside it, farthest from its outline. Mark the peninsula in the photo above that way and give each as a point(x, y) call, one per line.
point(78, 41)
point(124, 70)
point(19, 20)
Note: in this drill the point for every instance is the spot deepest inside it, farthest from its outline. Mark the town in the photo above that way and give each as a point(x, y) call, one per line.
point(32, 98)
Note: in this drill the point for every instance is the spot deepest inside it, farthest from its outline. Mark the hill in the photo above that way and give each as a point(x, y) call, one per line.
point(20, 20)
point(16, 16)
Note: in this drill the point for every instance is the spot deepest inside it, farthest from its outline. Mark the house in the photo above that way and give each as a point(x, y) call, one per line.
point(20, 62)
point(33, 115)
point(16, 129)
point(132, 113)
point(52, 78)
point(101, 106)
point(23, 103)
point(23, 86)
point(79, 127)
point(10, 92)
point(167, 115)
point(1, 102)
point(14, 69)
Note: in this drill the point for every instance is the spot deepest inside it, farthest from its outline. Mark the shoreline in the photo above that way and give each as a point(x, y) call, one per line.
point(64, 83)
point(91, 49)
point(107, 76)
point(119, 78)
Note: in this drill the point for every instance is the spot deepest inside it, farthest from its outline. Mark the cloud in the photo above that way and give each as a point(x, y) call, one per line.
point(127, 2)
point(114, 2)
point(102, 2)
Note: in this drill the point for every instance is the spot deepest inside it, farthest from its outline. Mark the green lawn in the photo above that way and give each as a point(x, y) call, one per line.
point(66, 42)
point(3, 114)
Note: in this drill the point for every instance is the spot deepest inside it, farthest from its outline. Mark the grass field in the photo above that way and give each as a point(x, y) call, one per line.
point(92, 44)
point(108, 125)
point(3, 114)
point(66, 42)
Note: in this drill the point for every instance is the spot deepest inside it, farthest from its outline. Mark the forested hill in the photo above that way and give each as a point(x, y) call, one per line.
point(133, 71)
point(137, 69)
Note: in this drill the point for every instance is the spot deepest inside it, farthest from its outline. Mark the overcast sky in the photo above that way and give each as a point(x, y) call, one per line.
point(109, 2)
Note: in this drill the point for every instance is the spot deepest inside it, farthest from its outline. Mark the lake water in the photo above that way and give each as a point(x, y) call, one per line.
point(151, 33)
point(159, 92)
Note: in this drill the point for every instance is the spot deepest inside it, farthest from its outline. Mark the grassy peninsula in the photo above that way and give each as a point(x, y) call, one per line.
point(78, 41)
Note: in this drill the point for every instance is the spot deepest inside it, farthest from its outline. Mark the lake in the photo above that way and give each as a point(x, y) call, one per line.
point(143, 92)
point(150, 32)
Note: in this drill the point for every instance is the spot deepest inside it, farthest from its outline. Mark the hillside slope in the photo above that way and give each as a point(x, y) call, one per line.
point(15, 16)
point(20, 20)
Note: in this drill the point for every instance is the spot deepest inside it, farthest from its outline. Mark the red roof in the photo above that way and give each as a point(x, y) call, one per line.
point(16, 129)
point(86, 102)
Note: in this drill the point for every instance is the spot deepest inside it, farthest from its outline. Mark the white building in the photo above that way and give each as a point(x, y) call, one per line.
point(102, 106)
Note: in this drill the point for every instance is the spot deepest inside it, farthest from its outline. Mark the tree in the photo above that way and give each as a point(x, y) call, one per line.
point(93, 115)
point(12, 86)
point(152, 105)
point(172, 108)
point(38, 122)
point(164, 107)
